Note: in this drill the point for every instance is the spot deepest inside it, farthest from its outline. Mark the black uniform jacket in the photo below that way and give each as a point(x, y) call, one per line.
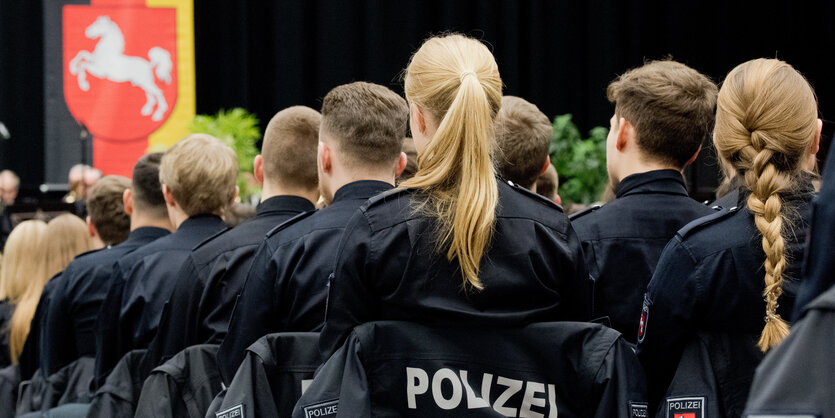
point(710, 278)
point(140, 286)
point(286, 287)
point(69, 329)
point(388, 269)
point(211, 278)
point(796, 378)
point(400, 369)
point(623, 240)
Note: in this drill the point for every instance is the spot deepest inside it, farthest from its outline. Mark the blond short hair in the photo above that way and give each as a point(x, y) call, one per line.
point(200, 172)
point(289, 148)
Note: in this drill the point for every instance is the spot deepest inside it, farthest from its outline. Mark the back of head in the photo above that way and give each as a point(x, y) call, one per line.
point(456, 80)
point(289, 148)
point(65, 237)
point(548, 183)
point(523, 134)
point(22, 259)
point(146, 188)
point(671, 107)
point(200, 171)
point(766, 123)
point(367, 121)
point(107, 209)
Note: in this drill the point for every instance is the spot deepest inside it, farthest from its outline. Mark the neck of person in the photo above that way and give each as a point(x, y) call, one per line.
point(272, 188)
point(140, 219)
point(340, 178)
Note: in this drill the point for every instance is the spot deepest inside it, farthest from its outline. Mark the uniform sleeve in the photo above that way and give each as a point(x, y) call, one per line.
point(350, 300)
point(668, 316)
point(58, 345)
point(107, 327)
point(620, 386)
point(578, 290)
point(254, 312)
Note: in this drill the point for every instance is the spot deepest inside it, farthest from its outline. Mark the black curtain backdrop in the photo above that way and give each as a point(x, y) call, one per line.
point(560, 55)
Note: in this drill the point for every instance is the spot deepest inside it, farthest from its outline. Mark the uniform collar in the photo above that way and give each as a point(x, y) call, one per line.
point(283, 203)
point(145, 232)
point(201, 220)
point(363, 189)
point(665, 181)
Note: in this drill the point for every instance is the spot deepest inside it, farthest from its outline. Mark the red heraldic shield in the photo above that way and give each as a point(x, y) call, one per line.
point(120, 75)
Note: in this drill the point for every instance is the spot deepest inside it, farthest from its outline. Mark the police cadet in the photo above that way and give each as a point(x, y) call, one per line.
point(736, 272)
point(523, 135)
point(198, 177)
point(359, 156)
point(663, 113)
point(116, 207)
point(211, 278)
point(454, 245)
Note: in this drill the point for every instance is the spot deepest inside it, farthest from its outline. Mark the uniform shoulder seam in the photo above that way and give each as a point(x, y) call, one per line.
point(704, 221)
point(384, 196)
point(584, 212)
point(286, 224)
point(211, 238)
point(536, 197)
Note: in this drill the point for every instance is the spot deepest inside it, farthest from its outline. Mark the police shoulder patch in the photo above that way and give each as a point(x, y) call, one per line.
point(642, 326)
point(236, 411)
point(538, 197)
point(326, 409)
point(705, 221)
point(686, 407)
point(584, 212)
point(289, 222)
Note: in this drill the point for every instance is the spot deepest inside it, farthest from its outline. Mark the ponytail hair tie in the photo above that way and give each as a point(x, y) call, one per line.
point(466, 73)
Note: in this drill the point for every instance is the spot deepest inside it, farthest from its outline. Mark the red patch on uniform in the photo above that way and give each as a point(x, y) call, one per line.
point(691, 415)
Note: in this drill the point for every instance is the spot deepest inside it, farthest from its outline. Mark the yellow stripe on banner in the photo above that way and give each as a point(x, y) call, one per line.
point(176, 127)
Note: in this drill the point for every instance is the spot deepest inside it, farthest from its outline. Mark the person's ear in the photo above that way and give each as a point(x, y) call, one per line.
point(693, 158)
point(91, 229)
point(325, 158)
point(237, 193)
point(546, 165)
point(127, 201)
point(557, 199)
point(258, 168)
point(401, 164)
point(625, 135)
point(816, 144)
point(168, 196)
point(418, 118)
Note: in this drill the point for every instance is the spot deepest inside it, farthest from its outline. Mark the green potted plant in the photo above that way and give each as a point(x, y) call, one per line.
point(580, 162)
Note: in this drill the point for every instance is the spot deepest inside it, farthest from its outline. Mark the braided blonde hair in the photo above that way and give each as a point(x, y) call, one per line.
point(766, 122)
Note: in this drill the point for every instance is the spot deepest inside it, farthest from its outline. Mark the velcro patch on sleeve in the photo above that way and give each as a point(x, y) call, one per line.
point(638, 410)
point(686, 407)
point(236, 411)
point(322, 410)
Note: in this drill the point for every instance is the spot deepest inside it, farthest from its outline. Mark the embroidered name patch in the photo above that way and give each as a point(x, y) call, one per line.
point(236, 411)
point(689, 407)
point(322, 410)
point(638, 410)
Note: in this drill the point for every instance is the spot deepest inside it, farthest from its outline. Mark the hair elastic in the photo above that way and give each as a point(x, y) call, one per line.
point(468, 72)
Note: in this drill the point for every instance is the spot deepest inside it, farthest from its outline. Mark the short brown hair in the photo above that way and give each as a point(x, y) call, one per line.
point(523, 134)
point(145, 186)
point(671, 106)
point(368, 120)
point(107, 210)
point(289, 147)
point(200, 171)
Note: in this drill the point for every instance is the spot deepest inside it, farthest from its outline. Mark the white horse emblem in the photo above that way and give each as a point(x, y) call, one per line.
point(108, 61)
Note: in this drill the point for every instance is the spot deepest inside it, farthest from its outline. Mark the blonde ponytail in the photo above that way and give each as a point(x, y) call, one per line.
point(456, 79)
point(765, 125)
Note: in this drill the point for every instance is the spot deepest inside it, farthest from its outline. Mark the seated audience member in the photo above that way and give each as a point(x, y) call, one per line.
point(81, 178)
point(523, 135)
point(454, 245)
point(22, 263)
point(358, 157)
point(9, 187)
point(548, 183)
point(130, 213)
point(65, 237)
point(213, 274)
point(720, 274)
point(411, 160)
point(663, 113)
point(198, 177)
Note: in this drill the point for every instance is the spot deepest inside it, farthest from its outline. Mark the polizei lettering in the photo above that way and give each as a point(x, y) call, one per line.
point(451, 389)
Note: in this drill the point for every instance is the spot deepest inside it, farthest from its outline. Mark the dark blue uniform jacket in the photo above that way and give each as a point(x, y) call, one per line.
point(140, 286)
point(286, 288)
point(710, 278)
point(623, 240)
point(388, 269)
point(69, 329)
point(211, 278)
